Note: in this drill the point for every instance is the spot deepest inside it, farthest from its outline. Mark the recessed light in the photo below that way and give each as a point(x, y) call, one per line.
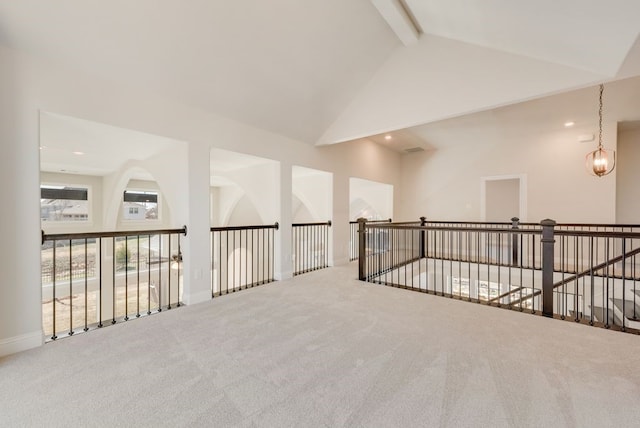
point(78, 153)
point(569, 124)
point(387, 137)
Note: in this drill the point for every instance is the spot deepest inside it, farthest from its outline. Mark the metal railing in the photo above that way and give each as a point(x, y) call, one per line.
point(310, 244)
point(584, 272)
point(242, 257)
point(90, 280)
point(353, 237)
point(596, 277)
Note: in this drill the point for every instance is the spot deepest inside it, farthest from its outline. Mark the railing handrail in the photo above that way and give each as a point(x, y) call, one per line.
point(594, 233)
point(322, 223)
point(595, 225)
point(112, 234)
point(275, 226)
point(402, 226)
point(388, 220)
point(609, 225)
point(470, 222)
point(597, 233)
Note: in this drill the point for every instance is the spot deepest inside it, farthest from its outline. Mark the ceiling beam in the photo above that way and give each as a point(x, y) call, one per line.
point(398, 18)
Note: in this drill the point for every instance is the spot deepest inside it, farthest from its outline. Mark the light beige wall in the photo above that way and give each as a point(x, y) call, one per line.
point(502, 199)
point(445, 184)
point(628, 178)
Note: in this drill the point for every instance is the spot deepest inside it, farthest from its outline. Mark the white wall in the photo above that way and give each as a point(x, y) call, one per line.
point(164, 222)
point(445, 184)
point(244, 213)
point(20, 312)
point(628, 177)
point(169, 170)
point(313, 188)
point(29, 86)
point(367, 193)
point(300, 212)
point(259, 184)
point(223, 201)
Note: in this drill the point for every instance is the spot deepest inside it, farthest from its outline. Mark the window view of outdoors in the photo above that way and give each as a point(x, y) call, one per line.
point(63, 203)
point(140, 205)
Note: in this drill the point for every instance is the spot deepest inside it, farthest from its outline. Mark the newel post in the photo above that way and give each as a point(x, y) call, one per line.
point(515, 224)
point(548, 242)
point(423, 223)
point(362, 249)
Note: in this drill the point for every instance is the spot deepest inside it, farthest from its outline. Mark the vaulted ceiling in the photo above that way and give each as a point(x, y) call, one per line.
point(334, 70)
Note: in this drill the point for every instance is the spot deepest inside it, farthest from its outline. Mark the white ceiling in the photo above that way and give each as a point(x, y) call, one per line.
point(288, 66)
point(587, 34)
point(303, 68)
point(99, 149)
point(542, 116)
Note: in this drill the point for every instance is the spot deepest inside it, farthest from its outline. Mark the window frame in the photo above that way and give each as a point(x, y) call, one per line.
point(143, 220)
point(55, 185)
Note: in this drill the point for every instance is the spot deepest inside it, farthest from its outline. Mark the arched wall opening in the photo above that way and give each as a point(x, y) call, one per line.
point(369, 199)
point(107, 160)
point(244, 191)
point(312, 189)
point(110, 179)
point(312, 204)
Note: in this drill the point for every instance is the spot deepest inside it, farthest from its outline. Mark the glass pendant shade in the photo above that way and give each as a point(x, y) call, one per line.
point(601, 162)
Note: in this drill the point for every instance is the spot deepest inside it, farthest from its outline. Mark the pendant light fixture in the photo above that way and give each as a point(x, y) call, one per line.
point(600, 162)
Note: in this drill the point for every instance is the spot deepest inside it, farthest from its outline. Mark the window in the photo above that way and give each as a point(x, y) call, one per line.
point(64, 203)
point(140, 205)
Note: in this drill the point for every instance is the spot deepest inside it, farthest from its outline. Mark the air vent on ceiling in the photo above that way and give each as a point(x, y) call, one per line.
point(414, 150)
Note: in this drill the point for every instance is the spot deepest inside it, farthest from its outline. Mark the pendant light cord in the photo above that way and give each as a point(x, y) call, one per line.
point(600, 116)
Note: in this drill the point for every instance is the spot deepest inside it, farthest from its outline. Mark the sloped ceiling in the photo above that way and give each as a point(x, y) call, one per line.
point(585, 34)
point(287, 66)
point(476, 55)
point(333, 70)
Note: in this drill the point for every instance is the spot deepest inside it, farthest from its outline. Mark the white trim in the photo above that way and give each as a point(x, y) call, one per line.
point(522, 206)
point(21, 343)
point(194, 299)
point(280, 276)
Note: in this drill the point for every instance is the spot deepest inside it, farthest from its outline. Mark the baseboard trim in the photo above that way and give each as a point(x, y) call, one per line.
point(280, 276)
point(12, 345)
point(194, 299)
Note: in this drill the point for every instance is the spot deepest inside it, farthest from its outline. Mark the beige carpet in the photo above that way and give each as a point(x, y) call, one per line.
point(326, 350)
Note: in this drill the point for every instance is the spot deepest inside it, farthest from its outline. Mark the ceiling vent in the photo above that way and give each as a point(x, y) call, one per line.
point(414, 150)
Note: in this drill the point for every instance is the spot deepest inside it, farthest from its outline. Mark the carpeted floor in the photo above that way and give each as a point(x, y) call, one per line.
point(322, 350)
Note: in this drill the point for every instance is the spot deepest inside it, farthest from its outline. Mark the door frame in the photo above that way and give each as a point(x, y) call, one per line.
point(522, 205)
